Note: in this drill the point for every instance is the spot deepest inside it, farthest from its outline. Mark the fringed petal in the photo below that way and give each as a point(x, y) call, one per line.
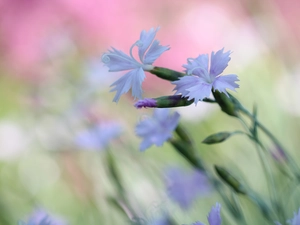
point(117, 60)
point(133, 79)
point(154, 52)
point(219, 61)
point(146, 38)
point(222, 83)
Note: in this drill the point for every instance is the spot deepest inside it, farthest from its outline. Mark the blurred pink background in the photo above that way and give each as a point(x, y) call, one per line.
point(38, 37)
point(31, 28)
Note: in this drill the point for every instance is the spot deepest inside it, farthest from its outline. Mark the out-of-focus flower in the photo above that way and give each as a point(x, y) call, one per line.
point(158, 128)
point(278, 154)
point(98, 136)
point(200, 81)
point(214, 217)
point(148, 50)
point(184, 187)
point(294, 221)
point(41, 217)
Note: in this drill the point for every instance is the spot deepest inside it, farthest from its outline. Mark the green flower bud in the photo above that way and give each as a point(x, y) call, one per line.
point(230, 180)
point(217, 138)
point(229, 105)
point(166, 74)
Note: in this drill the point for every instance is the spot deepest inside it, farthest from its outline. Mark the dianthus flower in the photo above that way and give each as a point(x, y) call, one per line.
point(201, 80)
point(158, 128)
point(148, 50)
point(214, 217)
point(40, 217)
point(294, 221)
point(98, 136)
point(184, 187)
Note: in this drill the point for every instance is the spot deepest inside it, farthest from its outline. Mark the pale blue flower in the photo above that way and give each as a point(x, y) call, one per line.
point(201, 79)
point(185, 187)
point(40, 217)
point(214, 216)
point(158, 128)
point(98, 136)
point(148, 50)
point(294, 221)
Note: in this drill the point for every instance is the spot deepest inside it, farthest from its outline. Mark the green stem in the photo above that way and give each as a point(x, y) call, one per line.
point(267, 171)
point(293, 166)
point(266, 212)
point(186, 148)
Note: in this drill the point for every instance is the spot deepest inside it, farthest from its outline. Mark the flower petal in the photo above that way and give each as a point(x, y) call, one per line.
point(197, 66)
point(117, 60)
point(193, 87)
point(296, 219)
point(184, 187)
point(87, 139)
point(184, 83)
point(161, 115)
point(214, 217)
point(218, 62)
point(222, 83)
point(154, 52)
point(146, 143)
point(199, 91)
point(98, 136)
point(198, 223)
point(156, 131)
point(133, 79)
point(146, 38)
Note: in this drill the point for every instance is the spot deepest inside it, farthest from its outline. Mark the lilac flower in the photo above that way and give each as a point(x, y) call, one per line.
point(184, 187)
point(148, 50)
point(294, 221)
point(40, 217)
point(200, 81)
point(98, 136)
point(158, 128)
point(214, 217)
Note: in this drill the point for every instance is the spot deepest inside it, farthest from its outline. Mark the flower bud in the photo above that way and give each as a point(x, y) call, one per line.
point(230, 180)
point(163, 102)
point(166, 74)
point(216, 138)
point(228, 104)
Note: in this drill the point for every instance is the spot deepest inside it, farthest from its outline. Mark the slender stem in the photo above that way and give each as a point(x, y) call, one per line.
point(267, 171)
point(293, 166)
point(237, 203)
point(186, 148)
